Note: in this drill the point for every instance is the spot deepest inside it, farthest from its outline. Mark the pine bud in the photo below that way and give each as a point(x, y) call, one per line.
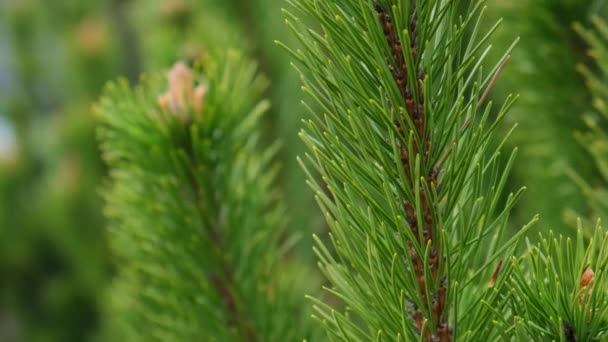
point(587, 278)
point(182, 96)
point(586, 284)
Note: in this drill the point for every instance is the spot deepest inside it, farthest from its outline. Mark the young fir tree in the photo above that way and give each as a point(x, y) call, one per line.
point(195, 222)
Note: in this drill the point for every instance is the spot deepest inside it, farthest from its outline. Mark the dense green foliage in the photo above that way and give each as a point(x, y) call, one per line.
point(411, 187)
point(195, 223)
point(559, 289)
point(207, 214)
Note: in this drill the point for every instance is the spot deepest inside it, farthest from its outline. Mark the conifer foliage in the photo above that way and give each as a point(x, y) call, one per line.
point(195, 223)
point(410, 186)
point(403, 160)
point(559, 289)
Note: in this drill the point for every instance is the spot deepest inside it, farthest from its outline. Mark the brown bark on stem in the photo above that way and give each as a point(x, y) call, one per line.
point(413, 102)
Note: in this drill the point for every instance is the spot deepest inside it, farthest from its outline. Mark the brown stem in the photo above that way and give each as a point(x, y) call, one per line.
point(414, 105)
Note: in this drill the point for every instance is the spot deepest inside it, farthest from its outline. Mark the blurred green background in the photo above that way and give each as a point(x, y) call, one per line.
point(55, 57)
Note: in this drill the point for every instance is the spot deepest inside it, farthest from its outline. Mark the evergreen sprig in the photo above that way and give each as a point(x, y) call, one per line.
point(196, 226)
point(410, 186)
point(559, 289)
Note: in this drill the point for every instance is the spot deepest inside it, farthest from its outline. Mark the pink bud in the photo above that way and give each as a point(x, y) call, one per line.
point(199, 97)
point(182, 96)
point(587, 277)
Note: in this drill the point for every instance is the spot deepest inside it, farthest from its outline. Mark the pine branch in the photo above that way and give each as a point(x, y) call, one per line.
point(193, 26)
point(414, 105)
point(411, 188)
point(195, 223)
point(559, 289)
